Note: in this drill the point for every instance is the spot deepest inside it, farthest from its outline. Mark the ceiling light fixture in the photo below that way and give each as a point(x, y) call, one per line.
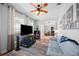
point(39, 8)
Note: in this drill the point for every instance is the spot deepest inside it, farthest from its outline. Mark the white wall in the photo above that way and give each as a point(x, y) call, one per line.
point(71, 33)
point(4, 27)
point(21, 19)
point(41, 28)
point(29, 21)
point(48, 24)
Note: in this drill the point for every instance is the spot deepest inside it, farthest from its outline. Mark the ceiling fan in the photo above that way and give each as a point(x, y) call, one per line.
point(39, 8)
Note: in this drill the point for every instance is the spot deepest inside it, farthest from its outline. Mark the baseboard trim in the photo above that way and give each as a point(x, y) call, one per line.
point(3, 53)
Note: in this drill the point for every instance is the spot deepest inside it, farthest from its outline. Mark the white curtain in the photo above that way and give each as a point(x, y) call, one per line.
point(0, 29)
point(3, 27)
point(11, 29)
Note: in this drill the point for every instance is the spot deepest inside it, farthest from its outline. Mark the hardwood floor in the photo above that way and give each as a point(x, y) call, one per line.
point(38, 49)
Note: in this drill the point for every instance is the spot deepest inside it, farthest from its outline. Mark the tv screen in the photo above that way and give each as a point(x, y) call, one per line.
point(25, 29)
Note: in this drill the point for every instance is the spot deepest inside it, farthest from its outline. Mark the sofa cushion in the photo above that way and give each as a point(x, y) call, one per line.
point(69, 48)
point(59, 37)
point(63, 39)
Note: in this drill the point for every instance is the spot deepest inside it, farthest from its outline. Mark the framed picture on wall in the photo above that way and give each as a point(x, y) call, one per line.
point(67, 20)
point(77, 20)
point(69, 16)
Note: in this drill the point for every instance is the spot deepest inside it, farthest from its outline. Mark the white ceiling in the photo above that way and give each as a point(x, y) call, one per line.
point(53, 10)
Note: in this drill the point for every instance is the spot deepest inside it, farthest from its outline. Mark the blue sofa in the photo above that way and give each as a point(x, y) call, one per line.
point(62, 46)
point(26, 40)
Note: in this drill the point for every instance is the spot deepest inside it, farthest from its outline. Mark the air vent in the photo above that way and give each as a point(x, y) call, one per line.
point(59, 4)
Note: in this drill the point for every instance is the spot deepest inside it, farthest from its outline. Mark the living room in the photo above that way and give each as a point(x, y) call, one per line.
point(17, 20)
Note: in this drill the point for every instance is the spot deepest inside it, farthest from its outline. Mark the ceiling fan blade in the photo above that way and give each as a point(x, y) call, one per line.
point(34, 4)
point(33, 10)
point(45, 4)
point(44, 11)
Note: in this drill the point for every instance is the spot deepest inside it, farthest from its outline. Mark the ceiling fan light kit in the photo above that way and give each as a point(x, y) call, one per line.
point(39, 8)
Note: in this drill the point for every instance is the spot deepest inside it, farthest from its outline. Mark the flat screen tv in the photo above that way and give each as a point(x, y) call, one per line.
point(25, 29)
